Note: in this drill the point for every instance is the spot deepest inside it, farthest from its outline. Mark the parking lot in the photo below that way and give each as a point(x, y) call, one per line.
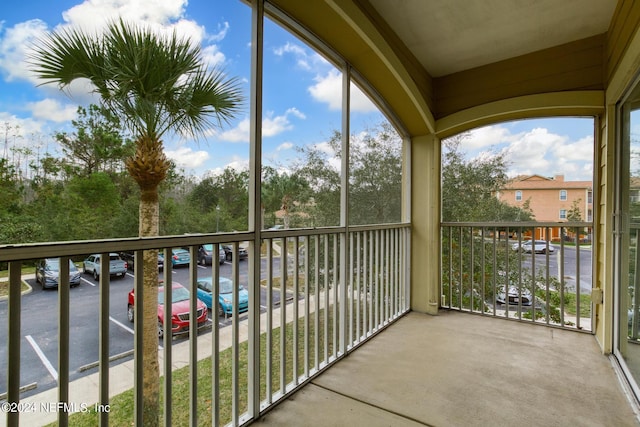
point(39, 325)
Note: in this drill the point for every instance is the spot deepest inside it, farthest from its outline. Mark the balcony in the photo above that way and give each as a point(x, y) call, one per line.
point(349, 353)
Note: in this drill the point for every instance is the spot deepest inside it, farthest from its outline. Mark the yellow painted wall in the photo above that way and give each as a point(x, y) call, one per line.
point(425, 215)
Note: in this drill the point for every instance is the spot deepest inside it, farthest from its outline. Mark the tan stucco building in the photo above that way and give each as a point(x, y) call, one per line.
point(550, 199)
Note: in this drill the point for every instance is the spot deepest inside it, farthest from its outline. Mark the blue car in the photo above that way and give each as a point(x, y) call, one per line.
point(180, 257)
point(225, 299)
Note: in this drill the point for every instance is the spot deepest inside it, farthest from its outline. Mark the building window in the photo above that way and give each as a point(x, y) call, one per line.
point(563, 195)
point(518, 196)
point(590, 197)
point(563, 214)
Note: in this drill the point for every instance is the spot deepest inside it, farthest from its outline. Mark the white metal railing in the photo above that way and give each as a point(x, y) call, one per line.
point(492, 269)
point(322, 293)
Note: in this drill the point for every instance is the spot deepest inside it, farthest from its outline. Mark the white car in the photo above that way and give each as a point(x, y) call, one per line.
point(516, 296)
point(538, 246)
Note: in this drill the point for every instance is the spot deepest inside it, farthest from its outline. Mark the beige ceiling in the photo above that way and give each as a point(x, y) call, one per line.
point(448, 36)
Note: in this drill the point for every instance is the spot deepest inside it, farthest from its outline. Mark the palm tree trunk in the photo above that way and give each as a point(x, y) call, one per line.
point(149, 226)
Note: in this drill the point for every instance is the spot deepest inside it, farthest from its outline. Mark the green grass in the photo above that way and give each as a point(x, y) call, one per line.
point(4, 284)
point(121, 406)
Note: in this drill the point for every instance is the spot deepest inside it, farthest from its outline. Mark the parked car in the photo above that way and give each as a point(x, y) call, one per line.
point(515, 296)
point(180, 257)
point(205, 255)
point(225, 295)
point(179, 309)
point(228, 250)
point(537, 246)
point(117, 266)
point(130, 259)
point(48, 273)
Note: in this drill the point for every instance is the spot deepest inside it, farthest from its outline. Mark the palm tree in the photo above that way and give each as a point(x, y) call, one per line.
point(155, 84)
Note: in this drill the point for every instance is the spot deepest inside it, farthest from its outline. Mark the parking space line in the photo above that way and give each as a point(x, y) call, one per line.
point(87, 281)
point(122, 325)
point(126, 328)
point(43, 358)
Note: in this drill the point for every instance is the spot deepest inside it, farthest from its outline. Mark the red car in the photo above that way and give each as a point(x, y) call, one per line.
point(179, 309)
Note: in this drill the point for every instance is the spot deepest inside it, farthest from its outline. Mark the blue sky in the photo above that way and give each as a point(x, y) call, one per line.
point(301, 91)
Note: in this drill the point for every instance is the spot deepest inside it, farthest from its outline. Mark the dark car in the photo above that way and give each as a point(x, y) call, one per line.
point(48, 273)
point(206, 256)
point(129, 257)
point(228, 251)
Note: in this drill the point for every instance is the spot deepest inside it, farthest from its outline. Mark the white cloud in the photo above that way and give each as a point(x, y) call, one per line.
point(14, 46)
point(488, 136)
point(163, 16)
point(284, 146)
point(52, 110)
point(187, 158)
point(240, 133)
point(238, 163)
point(93, 14)
point(328, 90)
point(271, 126)
point(536, 151)
point(303, 60)
point(212, 56)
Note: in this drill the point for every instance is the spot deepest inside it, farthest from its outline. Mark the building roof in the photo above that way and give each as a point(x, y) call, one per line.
point(539, 182)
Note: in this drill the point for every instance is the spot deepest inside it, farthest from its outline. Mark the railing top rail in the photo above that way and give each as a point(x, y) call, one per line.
point(80, 247)
point(518, 224)
point(26, 251)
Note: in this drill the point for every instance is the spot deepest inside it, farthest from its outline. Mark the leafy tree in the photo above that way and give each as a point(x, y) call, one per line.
point(469, 187)
point(375, 180)
point(97, 144)
point(375, 192)
point(154, 85)
point(574, 214)
point(323, 180)
point(282, 191)
point(221, 201)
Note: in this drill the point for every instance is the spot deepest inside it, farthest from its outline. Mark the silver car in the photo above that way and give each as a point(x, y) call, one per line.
point(48, 273)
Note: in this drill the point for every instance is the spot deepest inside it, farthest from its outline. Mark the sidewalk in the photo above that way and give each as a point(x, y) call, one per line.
point(84, 391)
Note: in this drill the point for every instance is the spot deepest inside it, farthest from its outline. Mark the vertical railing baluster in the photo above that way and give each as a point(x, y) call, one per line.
point(336, 301)
point(483, 297)
point(235, 333)
point(316, 317)
point(562, 279)
point(472, 255)
point(296, 301)
point(63, 337)
point(460, 267)
point(269, 320)
point(578, 285)
point(103, 343)
point(327, 303)
point(376, 267)
point(14, 340)
point(495, 269)
point(387, 289)
point(307, 305)
point(138, 351)
point(358, 290)
point(167, 338)
point(450, 302)
point(215, 339)
point(283, 315)
point(193, 335)
point(351, 287)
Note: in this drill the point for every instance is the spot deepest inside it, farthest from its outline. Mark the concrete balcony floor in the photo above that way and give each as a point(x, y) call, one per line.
point(458, 369)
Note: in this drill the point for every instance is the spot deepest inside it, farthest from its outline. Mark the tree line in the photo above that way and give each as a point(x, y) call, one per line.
point(85, 191)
